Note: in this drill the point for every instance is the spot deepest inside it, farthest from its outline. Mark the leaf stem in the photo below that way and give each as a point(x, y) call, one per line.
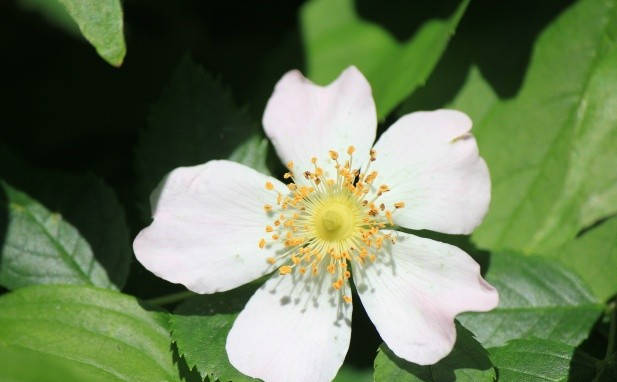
point(171, 298)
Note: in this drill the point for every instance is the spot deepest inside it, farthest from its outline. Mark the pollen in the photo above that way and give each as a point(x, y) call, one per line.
point(330, 220)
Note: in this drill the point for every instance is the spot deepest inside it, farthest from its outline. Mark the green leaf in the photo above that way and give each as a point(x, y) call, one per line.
point(351, 374)
point(253, 153)
point(537, 298)
point(541, 360)
point(88, 330)
point(54, 12)
point(550, 150)
point(82, 200)
point(40, 247)
point(593, 256)
point(468, 361)
point(336, 37)
point(195, 120)
point(16, 366)
point(101, 22)
point(199, 327)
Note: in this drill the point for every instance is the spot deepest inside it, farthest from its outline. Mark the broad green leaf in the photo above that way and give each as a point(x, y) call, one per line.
point(195, 120)
point(550, 150)
point(101, 22)
point(41, 247)
point(476, 98)
point(593, 256)
point(87, 329)
point(253, 153)
point(17, 365)
point(540, 360)
point(468, 361)
point(537, 298)
point(335, 37)
point(199, 327)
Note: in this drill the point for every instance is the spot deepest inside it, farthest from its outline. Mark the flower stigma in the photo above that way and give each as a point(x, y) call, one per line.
point(329, 222)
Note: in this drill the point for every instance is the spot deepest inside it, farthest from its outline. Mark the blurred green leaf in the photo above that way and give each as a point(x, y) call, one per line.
point(351, 374)
point(54, 12)
point(468, 361)
point(537, 298)
point(102, 24)
point(540, 360)
point(41, 247)
point(594, 257)
point(253, 153)
point(476, 97)
point(83, 329)
point(18, 364)
point(195, 120)
point(550, 150)
point(336, 37)
point(199, 327)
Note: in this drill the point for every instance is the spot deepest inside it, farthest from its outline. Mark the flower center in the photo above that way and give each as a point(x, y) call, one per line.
point(329, 221)
point(335, 219)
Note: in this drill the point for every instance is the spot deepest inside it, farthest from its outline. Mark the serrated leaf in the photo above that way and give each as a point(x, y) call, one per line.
point(468, 361)
point(40, 247)
point(199, 327)
point(102, 24)
point(537, 298)
point(593, 256)
point(106, 330)
point(336, 37)
point(540, 360)
point(550, 150)
point(194, 120)
point(83, 201)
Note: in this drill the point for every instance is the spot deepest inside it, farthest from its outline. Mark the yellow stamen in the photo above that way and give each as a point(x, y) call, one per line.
point(328, 223)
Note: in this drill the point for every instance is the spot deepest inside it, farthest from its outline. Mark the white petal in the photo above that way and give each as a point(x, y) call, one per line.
point(208, 221)
point(413, 292)
point(431, 163)
point(295, 328)
point(304, 120)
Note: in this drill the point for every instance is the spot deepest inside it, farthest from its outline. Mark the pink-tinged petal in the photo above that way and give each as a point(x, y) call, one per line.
point(304, 120)
point(295, 328)
point(208, 221)
point(430, 161)
point(413, 291)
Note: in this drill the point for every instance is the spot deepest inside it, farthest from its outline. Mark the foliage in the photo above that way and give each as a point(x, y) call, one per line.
point(538, 79)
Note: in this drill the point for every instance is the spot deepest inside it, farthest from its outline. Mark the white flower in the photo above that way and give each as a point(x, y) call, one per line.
point(221, 224)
